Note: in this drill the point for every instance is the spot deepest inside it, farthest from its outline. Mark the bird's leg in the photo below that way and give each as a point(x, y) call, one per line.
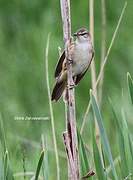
point(72, 85)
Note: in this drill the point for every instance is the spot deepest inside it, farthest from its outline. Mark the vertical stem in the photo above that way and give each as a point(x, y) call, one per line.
point(70, 136)
point(103, 46)
point(64, 98)
point(93, 68)
point(51, 111)
point(104, 62)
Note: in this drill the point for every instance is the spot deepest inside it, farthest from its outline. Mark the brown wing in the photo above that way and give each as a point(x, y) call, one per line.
point(80, 76)
point(59, 65)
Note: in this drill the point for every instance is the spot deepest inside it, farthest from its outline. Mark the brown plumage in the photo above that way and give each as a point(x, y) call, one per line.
point(82, 54)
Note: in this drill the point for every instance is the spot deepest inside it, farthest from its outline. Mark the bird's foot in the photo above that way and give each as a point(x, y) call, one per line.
point(71, 86)
point(70, 61)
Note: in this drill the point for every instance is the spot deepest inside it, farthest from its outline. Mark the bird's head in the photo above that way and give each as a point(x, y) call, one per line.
point(82, 35)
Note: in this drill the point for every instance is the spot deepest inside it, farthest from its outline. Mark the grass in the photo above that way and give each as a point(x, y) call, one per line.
point(114, 162)
point(104, 62)
point(51, 110)
point(121, 167)
point(105, 165)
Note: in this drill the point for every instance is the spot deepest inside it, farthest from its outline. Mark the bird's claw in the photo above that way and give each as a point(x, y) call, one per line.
point(71, 86)
point(70, 61)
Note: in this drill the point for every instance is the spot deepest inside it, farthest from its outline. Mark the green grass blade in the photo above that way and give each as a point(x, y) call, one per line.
point(123, 164)
point(103, 134)
point(121, 143)
point(51, 109)
point(8, 175)
point(45, 165)
point(5, 165)
point(131, 146)
point(84, 164)
point(130, 85)
point(7, 171)
point(127, 143)
point(98, 162)
point(39, 165)
point(131, 151)
point(2, 135)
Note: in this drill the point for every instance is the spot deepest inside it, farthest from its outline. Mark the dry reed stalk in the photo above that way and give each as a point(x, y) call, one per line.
point(51, 110)
point(103, 47)
point(93, 68)
point(70, 136)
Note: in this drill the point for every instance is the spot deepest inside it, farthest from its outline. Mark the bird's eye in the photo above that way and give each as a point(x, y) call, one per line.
point(84, 34)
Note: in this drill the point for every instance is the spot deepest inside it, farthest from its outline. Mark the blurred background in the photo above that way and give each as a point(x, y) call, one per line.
point(24, 28)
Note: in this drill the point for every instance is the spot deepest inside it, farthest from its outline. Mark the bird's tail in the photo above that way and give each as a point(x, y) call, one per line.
point(58, 90)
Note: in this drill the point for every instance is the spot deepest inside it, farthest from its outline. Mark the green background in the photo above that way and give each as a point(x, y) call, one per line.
point(24, 28)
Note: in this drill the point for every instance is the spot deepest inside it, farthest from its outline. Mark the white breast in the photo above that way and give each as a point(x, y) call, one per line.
point(81, 57)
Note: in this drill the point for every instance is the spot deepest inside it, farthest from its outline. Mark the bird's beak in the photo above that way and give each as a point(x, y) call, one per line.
point(75, 34)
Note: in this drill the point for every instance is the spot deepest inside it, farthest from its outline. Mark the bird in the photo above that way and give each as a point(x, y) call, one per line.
point(82, 53)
